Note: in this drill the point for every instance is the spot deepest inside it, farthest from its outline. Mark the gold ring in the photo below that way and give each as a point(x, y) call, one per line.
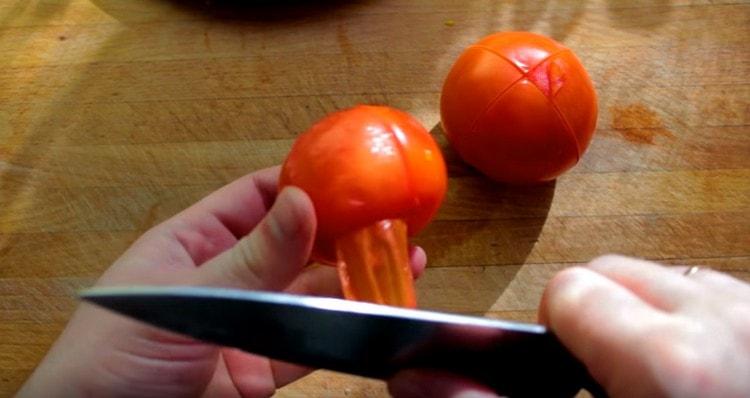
point(691, 270)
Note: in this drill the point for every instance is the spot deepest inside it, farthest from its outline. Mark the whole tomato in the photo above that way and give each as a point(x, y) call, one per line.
point(363, 166)
point(519, 107)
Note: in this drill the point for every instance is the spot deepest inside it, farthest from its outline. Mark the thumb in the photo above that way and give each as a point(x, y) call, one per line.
point(272, 254)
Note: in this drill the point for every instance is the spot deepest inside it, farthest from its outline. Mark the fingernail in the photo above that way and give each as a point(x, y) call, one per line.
point(418, 259)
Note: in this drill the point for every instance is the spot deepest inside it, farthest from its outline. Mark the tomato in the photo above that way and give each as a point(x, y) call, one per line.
point(519, 107)
point(363, 165)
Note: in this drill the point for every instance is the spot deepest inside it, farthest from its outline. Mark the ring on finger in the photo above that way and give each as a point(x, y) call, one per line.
point(692, 270)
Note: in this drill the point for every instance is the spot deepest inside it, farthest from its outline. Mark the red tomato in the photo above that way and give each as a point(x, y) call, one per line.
point(363, 165)
point(519, 107)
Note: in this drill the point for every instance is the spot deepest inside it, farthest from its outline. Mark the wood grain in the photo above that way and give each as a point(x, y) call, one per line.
point(116, 115)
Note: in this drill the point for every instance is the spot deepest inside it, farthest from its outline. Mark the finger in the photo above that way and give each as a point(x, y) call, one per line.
point(216, 222)
point(241, 204)
point(221, 384)
point(719, 282)
point(285, 373)
point(251, 375)
point(317, 280)
point(273, 254)
point(653, 283)
point(256, 376)
point(599, 320)
point(417, 260)
point(424, 383)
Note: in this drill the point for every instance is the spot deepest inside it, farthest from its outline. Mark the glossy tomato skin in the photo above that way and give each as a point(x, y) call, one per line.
point(518, 106)
point(366, 164)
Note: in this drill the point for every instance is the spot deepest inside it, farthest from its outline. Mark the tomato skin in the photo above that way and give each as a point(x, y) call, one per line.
point(518, 106)
point(362, 165)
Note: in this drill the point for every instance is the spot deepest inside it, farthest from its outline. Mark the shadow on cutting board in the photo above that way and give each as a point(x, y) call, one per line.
point(481, 237)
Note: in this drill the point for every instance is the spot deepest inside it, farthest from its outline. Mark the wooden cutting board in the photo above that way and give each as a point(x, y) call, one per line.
point(114, 115)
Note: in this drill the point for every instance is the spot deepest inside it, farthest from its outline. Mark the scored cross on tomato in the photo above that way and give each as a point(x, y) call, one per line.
point(375, 176)
point(519, 107)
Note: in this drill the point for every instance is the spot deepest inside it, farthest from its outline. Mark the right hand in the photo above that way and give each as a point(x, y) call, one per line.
point(641, 329)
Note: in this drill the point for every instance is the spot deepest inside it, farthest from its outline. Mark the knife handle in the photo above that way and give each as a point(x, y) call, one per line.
point(516, 365)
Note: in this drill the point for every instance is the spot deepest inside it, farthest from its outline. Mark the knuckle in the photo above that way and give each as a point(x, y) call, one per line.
point(243, 252)
point(272, 228)
point(738, 315)
point(683, 364)
point(679, 354)
point(565, 279)
point(244, 261)
point(566, 292)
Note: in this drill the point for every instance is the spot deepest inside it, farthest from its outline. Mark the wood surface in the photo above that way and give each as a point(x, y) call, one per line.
point(114, 115)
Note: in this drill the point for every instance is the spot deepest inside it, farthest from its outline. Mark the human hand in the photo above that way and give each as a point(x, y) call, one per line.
point(641, 329)
point(241, 236)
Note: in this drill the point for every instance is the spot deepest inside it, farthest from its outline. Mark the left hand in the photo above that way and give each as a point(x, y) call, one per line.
point(241, 236)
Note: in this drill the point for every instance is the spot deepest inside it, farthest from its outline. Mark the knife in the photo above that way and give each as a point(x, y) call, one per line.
point(376, 341)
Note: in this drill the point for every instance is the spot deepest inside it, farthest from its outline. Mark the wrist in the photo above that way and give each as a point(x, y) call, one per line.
point(51, 379)
point(63, 371)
